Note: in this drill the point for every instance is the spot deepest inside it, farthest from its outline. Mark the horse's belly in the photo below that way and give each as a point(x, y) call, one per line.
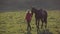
point(40, 16)
point(37, 16)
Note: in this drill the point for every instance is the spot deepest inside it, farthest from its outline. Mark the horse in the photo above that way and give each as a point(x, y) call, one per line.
point(40, 15)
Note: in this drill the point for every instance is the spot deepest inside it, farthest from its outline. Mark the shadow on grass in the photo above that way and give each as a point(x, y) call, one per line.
point(58, 32)
point(29, 32)
point(46, 31)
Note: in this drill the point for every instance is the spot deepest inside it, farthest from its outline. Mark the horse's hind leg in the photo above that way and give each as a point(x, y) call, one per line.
point(45, 20)
point(42, 23)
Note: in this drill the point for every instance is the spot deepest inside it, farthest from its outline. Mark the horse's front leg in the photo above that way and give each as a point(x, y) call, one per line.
point(38, 23)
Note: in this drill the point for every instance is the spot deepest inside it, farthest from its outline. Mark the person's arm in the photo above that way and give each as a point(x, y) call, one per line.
point(26, 16)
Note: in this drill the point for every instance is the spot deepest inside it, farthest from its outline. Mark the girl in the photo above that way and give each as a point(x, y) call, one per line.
point(28, 19)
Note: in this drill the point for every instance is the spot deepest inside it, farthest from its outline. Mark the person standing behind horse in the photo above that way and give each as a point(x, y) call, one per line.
point(28, 19)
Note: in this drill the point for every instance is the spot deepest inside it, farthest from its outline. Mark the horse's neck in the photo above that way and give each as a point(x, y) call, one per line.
point(35, 11)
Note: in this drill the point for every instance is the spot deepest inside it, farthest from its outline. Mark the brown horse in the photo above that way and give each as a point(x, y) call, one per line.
point(40, 15)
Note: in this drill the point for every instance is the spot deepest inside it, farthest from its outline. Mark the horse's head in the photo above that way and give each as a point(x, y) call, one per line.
point(33, 10)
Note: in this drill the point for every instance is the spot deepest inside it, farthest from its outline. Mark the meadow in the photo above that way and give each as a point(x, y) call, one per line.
point(13, 22)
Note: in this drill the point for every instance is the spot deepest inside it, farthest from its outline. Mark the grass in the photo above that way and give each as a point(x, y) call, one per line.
point(14, 22)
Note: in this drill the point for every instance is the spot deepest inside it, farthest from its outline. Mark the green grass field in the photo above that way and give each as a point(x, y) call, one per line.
point(14, 22)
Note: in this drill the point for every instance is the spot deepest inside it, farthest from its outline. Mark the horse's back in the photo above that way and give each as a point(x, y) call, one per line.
point(43, 14)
